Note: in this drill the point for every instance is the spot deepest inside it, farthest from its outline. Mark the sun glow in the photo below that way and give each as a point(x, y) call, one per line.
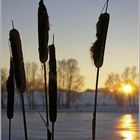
point(126, 125)
point(127, 88)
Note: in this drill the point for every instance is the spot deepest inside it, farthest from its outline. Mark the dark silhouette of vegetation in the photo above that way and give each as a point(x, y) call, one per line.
point(10, 86)
point(98, 48)
point(43, 31)
point(19, 71)
point(10, 91)
point(97, 54)
point(43, 38)
point(52, 85)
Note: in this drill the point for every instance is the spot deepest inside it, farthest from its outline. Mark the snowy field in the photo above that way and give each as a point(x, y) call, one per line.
point(74, 126)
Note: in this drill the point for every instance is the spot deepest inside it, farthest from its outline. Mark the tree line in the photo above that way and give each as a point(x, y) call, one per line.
point(70, 82)
point(114, 86)
point(69, 79)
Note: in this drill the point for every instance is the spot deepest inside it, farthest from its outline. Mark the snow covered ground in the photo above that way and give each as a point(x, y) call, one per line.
point(74, 126)
point(84, 103)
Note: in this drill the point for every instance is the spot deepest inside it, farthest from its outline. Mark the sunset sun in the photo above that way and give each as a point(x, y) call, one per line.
point(127, 88)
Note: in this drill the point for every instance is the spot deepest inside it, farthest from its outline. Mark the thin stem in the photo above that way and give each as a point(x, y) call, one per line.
point(95, 107)
point(12, 24)
point(9, 129)
point(45, 79)
point(53, 39)
point(47, 117)
point(52, 130)
point(43, 119)
point(106, 6)
point(48, 130)
point(24, 117)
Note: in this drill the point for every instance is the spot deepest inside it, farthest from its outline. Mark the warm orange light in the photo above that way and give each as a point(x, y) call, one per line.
point(127, 120)
point(128, 135)
point(127, 88)
point(127, 128)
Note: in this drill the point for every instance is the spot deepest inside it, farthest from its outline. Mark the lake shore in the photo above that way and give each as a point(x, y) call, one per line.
point(81, 108)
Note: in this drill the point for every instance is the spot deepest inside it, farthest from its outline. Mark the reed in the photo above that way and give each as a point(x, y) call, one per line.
point(97, 54)
point(19, 71)
point(43, 32)
point(10, 95)
point(43, 37)
point(52, 87)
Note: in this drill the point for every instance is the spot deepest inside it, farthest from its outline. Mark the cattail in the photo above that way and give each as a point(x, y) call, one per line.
point(52, 84)
point(19, 70)
point(98, 48)
point(43, 29)
point(17, 56)
point(10, 91)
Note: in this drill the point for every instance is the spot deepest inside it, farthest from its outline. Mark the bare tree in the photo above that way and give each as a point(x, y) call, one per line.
point(61, 82)
point(4, 76)
point(69, 79)
point(129, 76)
point(28, 82)
point(31, 70)
point(35, 82)
point(114, 83)
point(39, 85)
point(34, 70)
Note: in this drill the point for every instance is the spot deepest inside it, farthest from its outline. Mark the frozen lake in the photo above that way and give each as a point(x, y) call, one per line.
point(74, 126)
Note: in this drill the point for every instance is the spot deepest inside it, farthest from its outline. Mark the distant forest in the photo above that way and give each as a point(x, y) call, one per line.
point(71, 82)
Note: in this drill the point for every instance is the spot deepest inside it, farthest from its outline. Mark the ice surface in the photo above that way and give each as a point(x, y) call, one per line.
point(69, 126)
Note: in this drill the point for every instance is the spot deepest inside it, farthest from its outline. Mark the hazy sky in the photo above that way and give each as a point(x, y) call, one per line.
point(74, 24)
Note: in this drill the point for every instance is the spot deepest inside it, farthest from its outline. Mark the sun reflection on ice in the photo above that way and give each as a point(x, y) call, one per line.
point(128, 135)
point(127, 128)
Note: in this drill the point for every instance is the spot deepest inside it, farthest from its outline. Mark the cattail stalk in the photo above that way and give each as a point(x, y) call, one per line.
point(43, 37)
point(10, 95)
point(19, 71)
point(97, 52)
point(52, 87)
point(95, 107)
